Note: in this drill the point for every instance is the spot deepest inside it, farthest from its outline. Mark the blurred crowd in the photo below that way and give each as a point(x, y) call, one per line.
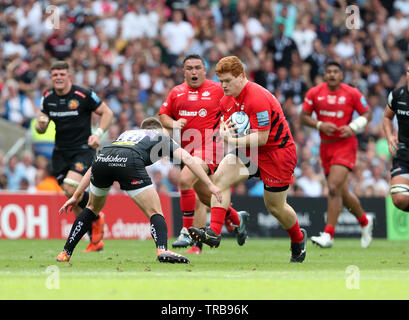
point(130, 52)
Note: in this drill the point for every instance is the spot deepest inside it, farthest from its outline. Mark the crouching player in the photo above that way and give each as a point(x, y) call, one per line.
point(125, 161)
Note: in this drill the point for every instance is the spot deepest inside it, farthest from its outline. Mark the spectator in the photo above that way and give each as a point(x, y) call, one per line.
point(176, 36)
point(286, 14)
point(304, 36)
point(403, 6)
point(345, 47)
point(46, 182)
point(158, 181)
point(3, 177)
point(14, 173)
point(18, 108)
point(397, 23)
point(27, 165)
point(265, 75)
point(324, 27)
point(249, 32)
point(310, 185)
point(61, 43)
point(395, 66)
point(13, 47)
point(316, 61)
point(240, 189)
point(282, 47)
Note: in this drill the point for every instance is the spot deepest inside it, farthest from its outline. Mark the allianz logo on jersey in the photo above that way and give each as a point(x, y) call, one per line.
point(333, 114)
point(201, 113)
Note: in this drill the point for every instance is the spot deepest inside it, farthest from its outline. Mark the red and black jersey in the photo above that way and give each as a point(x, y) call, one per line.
point(265, 113)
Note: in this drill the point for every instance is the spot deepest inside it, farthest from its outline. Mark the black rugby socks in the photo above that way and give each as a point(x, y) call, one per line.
point(80, 226)
point(159, 231)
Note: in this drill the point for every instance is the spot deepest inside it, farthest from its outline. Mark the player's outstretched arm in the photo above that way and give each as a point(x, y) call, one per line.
point(196, 167)
point(76, 197)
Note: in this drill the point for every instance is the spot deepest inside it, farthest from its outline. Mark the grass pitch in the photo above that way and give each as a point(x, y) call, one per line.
point(260, 270)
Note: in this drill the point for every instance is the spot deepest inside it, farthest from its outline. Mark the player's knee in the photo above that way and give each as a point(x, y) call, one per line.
point(69, 186)
point(400, 201)
point(334, 190)
point(221, 181)
point(274, 209)
point(186, 182)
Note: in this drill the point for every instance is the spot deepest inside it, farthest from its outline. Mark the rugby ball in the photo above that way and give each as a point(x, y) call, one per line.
point(242, 122)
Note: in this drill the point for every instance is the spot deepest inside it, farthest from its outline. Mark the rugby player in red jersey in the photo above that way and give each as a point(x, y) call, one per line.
point(334, 103)
point(268, 151)
point(193, 108)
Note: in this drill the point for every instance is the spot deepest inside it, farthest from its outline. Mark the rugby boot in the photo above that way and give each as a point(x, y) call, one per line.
point(194, 250)
point(97, 228)
point(366, 237)
point(94, 246)
point(63, 257)
point(184, 240)
point(299, 249)
point(323, 240)
point(170, 257)
point(240, 230)
point(205, 235)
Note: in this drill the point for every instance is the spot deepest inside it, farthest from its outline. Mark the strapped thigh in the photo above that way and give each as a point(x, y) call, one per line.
point(400, 188)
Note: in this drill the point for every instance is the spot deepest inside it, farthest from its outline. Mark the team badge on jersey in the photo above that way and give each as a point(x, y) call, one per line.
point(263, 119)
point(331, 99)
point(202, 113)
point(79, 166)
point(73, 104)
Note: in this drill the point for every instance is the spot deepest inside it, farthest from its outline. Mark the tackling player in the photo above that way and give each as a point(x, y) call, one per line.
point(268, 152)
point(125, 161)
point(193, 108)
point(334, 103)
point(70, 107)
point(398, 105)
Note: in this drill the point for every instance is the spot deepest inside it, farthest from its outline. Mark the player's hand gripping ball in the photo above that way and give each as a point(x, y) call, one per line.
point(242, 123)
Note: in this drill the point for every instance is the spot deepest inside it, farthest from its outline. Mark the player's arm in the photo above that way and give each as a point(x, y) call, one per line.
point(387, 124)
point(77, 196)
point(255, 139)
point(171, 124)
point(358, 124)
point(106, 118)
point(195, 165)
point(308, 120)
point(42, 122)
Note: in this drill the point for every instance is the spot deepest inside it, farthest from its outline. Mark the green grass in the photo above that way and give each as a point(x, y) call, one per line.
point(128, 269)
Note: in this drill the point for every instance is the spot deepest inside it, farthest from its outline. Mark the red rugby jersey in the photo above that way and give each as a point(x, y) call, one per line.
point(334, 106)
point(200, 107)
point(265, 113)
